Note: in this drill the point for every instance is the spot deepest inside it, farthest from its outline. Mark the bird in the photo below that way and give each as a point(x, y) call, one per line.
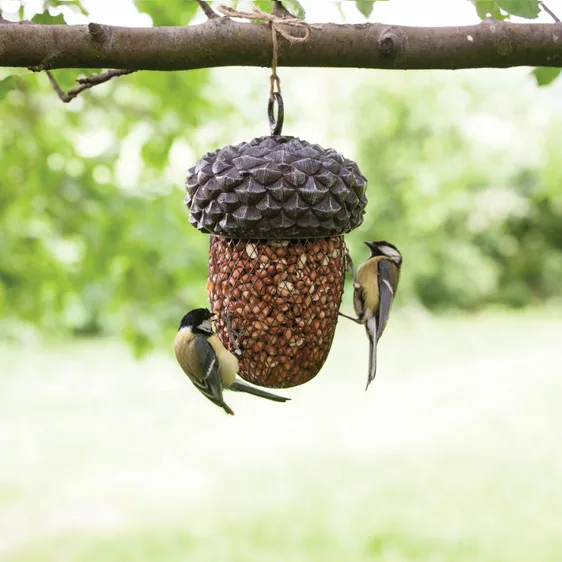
point(374, 289)
point(207, 363)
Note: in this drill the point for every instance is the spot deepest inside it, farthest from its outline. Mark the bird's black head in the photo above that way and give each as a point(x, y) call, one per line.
point(198, 320)
point(386, 249)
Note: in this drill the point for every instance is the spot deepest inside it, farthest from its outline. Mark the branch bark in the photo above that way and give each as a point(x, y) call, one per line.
point(224, 42)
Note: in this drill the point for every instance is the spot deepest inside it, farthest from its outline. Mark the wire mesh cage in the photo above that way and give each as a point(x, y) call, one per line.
point(276, 208)
point(282, 298)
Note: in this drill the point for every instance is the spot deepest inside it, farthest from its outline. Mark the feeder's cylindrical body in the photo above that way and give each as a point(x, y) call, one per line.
point(283, 298)
point(276, 208)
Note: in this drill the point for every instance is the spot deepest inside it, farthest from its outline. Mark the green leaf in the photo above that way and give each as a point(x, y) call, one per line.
point(6, 86)
point(168, 13)
point(365, 7)
point(45, 18)
point(264, 5)
point(295, 7)
point(489, 8)
point(544, 75)
point(75, 3)
point(529, 9)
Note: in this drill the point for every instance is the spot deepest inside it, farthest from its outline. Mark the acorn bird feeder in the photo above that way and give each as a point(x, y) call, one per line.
point(276, 208)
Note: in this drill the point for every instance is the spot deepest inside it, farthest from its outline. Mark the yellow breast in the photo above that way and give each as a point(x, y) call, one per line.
point(182, 348)
point(228, 363)
point(367, 277)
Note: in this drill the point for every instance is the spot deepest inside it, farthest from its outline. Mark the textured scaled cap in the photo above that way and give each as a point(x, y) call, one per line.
point(275, 187)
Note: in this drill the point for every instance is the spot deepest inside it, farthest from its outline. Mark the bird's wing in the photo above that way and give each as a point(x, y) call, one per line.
point(205, 372)
point(388, 282)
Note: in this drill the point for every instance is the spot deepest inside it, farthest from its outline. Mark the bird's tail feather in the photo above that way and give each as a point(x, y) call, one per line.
point(227, 408)
point(239, 386)
point(372, 335)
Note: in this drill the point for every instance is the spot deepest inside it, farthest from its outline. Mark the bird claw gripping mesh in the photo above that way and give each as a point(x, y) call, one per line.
point(276, 208)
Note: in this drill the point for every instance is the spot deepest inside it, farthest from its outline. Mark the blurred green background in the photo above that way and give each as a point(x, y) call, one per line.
point(108, 453)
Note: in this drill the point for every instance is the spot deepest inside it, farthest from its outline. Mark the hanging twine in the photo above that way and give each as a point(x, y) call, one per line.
point(276, 24)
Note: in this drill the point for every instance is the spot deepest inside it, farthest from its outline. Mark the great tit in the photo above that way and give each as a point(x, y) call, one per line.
point(374, 288)
point(207, 363)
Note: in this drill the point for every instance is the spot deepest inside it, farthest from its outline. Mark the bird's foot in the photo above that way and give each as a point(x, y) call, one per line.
point(349, 265)
point(233, 335)
point(356, 320)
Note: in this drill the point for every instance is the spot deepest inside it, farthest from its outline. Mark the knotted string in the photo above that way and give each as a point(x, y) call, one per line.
point(276, 24)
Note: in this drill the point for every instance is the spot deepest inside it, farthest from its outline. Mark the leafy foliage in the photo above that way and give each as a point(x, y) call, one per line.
point(478, 222)
point(489, 8)
point(264, 5)
point(546, 75)
point(529, 9)
point(295, 7)
point(501, 9)
point(168, 13)
point(46, 18)
point(76, 4)
point(94, 234)
point(7, 85)
point(366, 6)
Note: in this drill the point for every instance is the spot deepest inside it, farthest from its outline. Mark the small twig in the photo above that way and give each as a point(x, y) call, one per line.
point(100, 34)
point(207, 10)
point(549, 12)
point(85, 83)
point(96, 79)
point(62, 95)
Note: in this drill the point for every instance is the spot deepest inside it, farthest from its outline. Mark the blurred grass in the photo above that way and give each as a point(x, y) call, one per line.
point(453, 454)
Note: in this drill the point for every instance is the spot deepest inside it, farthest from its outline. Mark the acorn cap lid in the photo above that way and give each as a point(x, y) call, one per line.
point(275, 187)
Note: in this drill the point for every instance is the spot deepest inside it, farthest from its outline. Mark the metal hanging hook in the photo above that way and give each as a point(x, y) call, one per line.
point(275, 126)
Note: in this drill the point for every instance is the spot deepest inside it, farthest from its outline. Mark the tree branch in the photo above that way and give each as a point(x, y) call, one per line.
point(99, 34)
point(223, 42)
point(549, 12)
point(85, 83)
point(207, 10)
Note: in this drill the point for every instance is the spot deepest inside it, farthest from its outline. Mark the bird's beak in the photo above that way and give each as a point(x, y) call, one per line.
point(370, 245)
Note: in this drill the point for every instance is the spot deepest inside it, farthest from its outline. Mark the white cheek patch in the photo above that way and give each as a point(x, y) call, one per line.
point(390, 252)
point(206, 325)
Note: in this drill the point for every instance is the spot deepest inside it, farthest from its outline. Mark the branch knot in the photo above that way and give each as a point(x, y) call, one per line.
point(99, 33)
point(391, 42)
